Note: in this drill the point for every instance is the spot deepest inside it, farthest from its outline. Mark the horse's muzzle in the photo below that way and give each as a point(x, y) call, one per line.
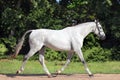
point(103, 37)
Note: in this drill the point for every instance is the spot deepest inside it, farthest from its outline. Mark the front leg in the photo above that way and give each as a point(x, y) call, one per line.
point(80, 54)
point(77, 45)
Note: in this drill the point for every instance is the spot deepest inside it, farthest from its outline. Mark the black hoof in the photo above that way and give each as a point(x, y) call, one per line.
point(91, 75)
point(17, 72)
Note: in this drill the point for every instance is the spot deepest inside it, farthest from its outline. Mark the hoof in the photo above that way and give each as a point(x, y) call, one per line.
point(91, 75)
point(17, 72)
point(50, 76)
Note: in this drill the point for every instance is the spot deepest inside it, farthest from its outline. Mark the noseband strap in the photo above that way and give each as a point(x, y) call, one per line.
point(96, 22)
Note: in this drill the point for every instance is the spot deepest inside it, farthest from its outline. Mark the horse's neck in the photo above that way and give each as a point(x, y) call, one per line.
point(84, 30)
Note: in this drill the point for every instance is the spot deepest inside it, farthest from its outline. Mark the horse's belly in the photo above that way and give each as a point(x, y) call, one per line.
point(59, 47)
point(58, 44)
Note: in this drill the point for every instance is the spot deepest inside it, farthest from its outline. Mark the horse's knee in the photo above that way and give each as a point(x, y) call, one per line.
point(30, 54)
point(25, 58)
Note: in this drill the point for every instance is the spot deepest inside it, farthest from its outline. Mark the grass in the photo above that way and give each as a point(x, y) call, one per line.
point(33, 67)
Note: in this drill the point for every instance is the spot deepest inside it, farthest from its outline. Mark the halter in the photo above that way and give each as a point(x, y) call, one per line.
point(99, 28)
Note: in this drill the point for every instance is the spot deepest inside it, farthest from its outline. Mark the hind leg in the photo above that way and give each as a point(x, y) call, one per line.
point(69, 56)
point(30, 54)
point(42, 62)
point(33, 49)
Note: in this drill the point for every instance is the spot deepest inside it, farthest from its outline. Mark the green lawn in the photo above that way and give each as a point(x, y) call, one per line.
point(33, 67)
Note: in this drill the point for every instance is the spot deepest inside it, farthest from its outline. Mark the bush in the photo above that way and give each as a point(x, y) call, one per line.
point(93, 54)
point(3, 49)
point(97, 54)
point(54, 55)
point(9, 43)
point(116, 53)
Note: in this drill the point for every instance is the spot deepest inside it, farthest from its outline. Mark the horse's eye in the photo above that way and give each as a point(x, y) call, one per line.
point(100, 28)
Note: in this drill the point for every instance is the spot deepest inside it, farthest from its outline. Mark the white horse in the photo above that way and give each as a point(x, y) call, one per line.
point(68, 39)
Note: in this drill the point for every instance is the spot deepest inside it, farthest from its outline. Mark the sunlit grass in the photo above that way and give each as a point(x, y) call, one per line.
point(34, 67)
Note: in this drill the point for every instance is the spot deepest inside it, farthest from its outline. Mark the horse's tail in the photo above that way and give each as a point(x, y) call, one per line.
point(19, 45)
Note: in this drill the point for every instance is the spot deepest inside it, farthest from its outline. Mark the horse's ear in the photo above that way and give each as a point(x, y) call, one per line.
point(96, 21)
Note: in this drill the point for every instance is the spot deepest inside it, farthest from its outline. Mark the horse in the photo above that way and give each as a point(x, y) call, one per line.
point(69, 39)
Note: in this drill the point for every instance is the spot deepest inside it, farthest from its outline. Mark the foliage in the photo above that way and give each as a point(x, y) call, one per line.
point(18, 16)
point(3, 49)
point(97, 54)
point(12, 21)
point(9, 43)
point(115, 53)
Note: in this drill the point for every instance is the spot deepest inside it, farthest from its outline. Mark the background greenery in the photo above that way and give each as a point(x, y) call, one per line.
point(18, 16)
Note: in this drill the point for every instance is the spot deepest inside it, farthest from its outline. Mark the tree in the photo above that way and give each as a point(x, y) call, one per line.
point(18, 16)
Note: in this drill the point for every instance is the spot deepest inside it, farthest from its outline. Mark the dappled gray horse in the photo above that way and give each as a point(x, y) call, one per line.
point(69, 39)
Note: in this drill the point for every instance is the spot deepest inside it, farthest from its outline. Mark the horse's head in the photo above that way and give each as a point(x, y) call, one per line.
point(99, 30)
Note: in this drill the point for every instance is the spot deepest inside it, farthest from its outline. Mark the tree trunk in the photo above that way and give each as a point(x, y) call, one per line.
point(18, 4)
